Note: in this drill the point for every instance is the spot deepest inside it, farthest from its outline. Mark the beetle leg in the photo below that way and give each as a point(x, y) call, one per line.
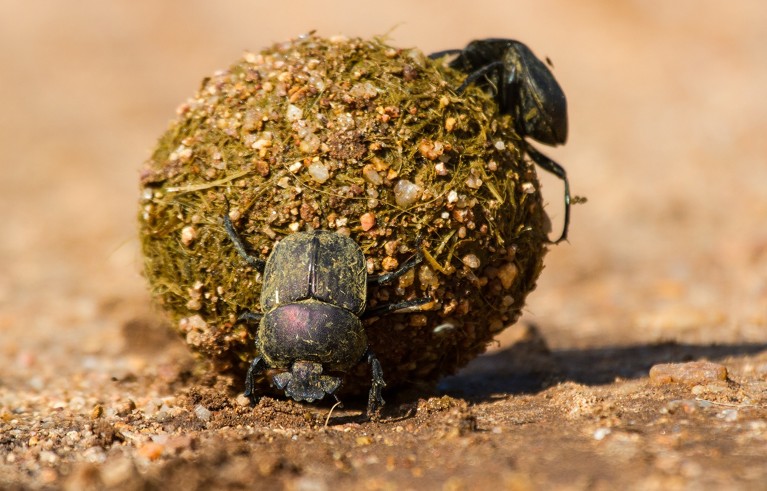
point(257, 263)
point(547, 164)
point(250, 317)
point(411, 263)
point(388, 308)
point(375, 401)
point(476, 74)
point(256, 367)
point(447, 52)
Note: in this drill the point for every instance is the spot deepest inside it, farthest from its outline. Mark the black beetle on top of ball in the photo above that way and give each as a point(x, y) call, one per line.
point(314, 295)
point(526, 89)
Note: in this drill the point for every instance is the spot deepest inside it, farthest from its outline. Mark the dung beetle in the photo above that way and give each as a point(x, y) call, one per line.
point(524, 88)
point(313, 298)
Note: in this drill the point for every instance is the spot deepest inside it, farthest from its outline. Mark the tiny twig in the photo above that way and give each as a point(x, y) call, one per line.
point(727, 404)
point(327, 420)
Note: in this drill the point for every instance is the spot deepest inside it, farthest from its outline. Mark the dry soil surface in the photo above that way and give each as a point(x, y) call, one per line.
point(667, 263)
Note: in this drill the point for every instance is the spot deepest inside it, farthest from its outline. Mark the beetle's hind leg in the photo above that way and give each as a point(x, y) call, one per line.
point(389, 308)
point(250, 317)
point(387, 277)
point(547, 164)
point(411, 263)
point(256, 367)
point(375, 401)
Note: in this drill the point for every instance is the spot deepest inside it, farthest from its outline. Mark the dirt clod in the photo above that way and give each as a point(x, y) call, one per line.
point(691, 373)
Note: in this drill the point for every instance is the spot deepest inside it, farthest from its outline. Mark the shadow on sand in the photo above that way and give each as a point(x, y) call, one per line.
point(529, 366)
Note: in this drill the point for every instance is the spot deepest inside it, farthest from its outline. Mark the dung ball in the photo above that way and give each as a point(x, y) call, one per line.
point(364, 139)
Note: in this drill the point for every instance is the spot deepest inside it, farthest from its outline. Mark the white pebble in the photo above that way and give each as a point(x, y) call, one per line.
point(261, 143)
point(406, 193)
point(601, 433)
point(474, 182)
point(48, 457)
point(319, 172)
point(202, 413)
point(188, 234)
point(294, 113)
point(295, 167)
point(364, 90)
point(471, 260)
point(310, 144)
point(371, 176)
point(341, 222)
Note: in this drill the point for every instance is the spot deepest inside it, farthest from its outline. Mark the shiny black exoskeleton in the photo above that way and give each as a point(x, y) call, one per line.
point(524, 88)
point(313, 298)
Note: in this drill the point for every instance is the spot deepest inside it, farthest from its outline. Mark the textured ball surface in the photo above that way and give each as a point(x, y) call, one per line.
point(364, 139)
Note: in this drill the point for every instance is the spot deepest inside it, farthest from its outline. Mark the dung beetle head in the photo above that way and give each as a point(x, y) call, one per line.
point(524, 86)
point(305, 382)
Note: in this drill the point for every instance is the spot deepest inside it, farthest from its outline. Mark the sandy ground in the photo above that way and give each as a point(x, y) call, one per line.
point(667, 262)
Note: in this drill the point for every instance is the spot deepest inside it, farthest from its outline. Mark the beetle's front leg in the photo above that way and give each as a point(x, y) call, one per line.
point(476, 74)
point(439, 54)
point(375, 401)
point(257, 263)
point(256, 367)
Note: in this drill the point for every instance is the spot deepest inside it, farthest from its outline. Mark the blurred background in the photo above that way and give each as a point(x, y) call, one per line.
point(667, 141)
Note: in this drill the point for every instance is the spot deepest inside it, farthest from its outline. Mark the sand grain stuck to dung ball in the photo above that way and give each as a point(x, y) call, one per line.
point(367, 140)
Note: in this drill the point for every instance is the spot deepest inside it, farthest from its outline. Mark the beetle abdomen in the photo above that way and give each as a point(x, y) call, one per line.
point(312, 330)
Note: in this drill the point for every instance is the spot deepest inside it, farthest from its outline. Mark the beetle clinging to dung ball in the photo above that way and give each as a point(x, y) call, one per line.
point(314, 296)
point(525, 89)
